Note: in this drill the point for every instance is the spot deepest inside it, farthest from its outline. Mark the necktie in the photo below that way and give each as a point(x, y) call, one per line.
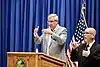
point(86, 48)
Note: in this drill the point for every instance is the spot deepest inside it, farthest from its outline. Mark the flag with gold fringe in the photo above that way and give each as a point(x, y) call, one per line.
point(77, 36)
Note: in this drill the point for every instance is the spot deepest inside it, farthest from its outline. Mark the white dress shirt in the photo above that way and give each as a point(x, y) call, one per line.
point(90, 45)
point(87, 53)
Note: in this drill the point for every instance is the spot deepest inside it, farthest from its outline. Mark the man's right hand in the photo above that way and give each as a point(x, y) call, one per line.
point(75, 45)
point(36, 31)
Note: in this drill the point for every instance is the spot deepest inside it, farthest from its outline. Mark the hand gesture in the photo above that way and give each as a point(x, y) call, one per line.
point(75, 45)
point(47, 31)
point(36, 29)
point(86, 53)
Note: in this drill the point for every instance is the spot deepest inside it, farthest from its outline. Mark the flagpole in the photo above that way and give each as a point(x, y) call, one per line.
point(82, 11)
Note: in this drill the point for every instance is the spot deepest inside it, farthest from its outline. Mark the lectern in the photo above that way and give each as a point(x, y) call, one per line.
point(32, 59)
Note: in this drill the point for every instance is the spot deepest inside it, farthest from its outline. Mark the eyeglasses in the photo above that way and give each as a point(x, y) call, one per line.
point(87, 33)
point(52, 21)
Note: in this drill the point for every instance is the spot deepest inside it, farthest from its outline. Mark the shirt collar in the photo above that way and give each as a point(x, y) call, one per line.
point(90, 45)
point(56, 27)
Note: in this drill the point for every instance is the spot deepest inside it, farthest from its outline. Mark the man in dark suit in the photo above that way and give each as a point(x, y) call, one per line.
point(87, 54)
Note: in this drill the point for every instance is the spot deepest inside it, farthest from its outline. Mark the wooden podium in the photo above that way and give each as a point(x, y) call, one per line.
point(31, 59)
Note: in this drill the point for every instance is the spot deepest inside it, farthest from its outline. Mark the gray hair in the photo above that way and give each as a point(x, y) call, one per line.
point(53, 15)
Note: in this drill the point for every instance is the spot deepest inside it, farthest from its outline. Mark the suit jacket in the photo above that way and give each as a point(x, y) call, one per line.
point(93, 60)
point(58, 41)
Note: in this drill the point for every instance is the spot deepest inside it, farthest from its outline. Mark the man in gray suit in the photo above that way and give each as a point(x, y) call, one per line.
point(53, 38)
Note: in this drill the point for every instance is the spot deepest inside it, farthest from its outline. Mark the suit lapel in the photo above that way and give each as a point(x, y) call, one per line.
point(56, 32)
point(92, 49)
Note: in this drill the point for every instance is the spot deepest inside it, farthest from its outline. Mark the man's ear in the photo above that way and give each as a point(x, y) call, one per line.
point(92, 36)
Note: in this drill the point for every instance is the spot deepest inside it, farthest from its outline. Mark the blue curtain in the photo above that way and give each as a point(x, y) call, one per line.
point(18, 18)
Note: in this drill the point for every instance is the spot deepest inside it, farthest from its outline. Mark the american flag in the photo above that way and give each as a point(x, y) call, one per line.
point(78, 36)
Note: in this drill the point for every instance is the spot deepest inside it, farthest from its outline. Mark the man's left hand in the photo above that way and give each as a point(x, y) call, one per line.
point(48, 31)
point(86, 53)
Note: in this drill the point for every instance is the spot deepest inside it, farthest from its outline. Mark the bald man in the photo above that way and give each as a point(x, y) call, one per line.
point(87, 54)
